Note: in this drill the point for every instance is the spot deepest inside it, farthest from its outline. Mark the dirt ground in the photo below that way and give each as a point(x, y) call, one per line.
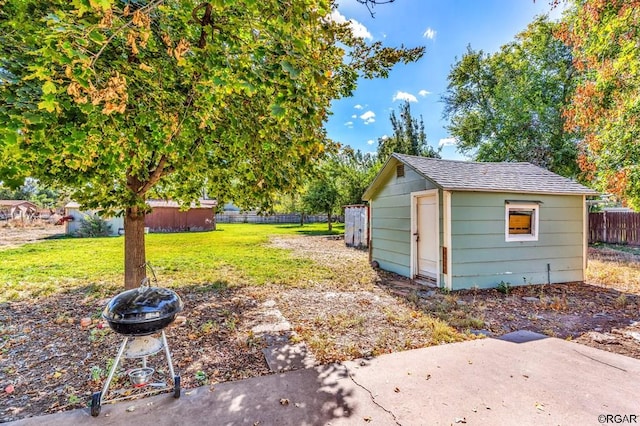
point(13, 233)
point(51, 362)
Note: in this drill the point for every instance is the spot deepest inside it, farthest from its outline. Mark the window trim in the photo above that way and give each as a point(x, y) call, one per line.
point(527, 206)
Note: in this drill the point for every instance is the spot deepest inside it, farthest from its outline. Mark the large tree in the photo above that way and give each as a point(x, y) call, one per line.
point(408, 136)
point(509, 106)
point(122, 100)
point(606, 105)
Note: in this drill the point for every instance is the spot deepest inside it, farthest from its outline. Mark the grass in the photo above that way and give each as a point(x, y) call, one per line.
point(235, 254)
point(614, 266)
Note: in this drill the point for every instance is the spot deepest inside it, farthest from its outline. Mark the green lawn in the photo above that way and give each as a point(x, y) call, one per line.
point(235, 254)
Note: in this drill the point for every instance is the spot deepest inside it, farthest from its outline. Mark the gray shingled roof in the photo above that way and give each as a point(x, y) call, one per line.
point(492, 177)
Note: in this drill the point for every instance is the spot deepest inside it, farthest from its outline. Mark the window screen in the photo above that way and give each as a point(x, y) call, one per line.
point(521, 222)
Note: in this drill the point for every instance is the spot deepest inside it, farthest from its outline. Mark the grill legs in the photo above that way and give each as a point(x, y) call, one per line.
point(98, 398)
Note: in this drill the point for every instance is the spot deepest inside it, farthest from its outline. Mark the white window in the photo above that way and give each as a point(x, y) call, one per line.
point(521, 222)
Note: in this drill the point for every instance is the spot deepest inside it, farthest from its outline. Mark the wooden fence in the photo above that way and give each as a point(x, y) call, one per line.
point(614, 228)
point(276, 218)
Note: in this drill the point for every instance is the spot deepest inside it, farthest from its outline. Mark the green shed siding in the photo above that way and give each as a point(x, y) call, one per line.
point(391, 221)
point(481, 257)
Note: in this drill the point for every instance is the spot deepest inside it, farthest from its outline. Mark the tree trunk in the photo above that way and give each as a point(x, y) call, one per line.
point(134, 250)
point(301, 219)
point(329, 222)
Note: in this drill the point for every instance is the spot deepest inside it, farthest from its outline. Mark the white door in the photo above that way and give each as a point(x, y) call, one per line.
point(427, 236)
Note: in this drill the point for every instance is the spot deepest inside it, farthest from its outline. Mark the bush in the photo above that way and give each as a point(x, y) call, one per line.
point(93, 226)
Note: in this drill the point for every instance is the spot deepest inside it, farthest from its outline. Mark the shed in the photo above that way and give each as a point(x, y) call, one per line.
point(464, 225)
point(73, 216)
point(167, 216)
point(356, 225)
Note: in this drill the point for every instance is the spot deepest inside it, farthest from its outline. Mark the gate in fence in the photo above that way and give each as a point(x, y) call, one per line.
point(356, 225)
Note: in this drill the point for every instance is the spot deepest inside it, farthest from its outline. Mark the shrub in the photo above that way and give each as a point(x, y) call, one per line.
point(504, 288)
point(93, 226)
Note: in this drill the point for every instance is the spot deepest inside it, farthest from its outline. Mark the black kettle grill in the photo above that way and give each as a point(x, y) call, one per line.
point(137, 314)
point(142, 311)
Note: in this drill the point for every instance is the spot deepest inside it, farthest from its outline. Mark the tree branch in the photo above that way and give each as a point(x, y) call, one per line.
point(155, 176)
point(371, 3)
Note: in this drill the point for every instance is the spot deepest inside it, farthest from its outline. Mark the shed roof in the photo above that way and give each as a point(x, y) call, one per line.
point(204, 204)
point(453, 175)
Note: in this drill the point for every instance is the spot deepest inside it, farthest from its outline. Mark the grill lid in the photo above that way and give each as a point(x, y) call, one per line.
point(143, 304)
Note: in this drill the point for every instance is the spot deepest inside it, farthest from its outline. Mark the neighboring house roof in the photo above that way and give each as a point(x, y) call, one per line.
point(451, 175)
point(204, 204)
point(13, 203)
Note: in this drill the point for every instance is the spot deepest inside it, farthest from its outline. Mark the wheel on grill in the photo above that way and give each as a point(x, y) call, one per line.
point(95, 404)
point(176, 387)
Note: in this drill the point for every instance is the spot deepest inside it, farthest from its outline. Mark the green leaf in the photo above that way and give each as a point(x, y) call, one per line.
point(82, 6)
point(101, 4)
point(11, 138)
point(294, 73)
point(97, 36)
point(48, 87)
point(32, 118)
point(48, 103)
point(277, 110)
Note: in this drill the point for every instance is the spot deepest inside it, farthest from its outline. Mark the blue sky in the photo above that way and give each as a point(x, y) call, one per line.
point(445, 28)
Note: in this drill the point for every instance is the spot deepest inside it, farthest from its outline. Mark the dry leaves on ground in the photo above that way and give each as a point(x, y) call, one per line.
point(50, 363)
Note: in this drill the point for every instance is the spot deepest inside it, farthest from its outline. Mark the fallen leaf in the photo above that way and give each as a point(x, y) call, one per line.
point(131, 408)
point(9, 389)
point(428, 376)
point(284, 401)
point(460, 420)
point(368, 419)
point(396, 389)
point(57, 374)
point(540, 406)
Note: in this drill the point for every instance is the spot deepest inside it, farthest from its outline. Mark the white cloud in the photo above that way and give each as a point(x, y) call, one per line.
point(357, 28)
point(349, 124)
point(429, 33)
point(358, 106)
point(368, 117)
point(370, 141)
point(447, 142)
point(384, 137)
point(404, 96)
point(424, 93)
point(354, 116)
